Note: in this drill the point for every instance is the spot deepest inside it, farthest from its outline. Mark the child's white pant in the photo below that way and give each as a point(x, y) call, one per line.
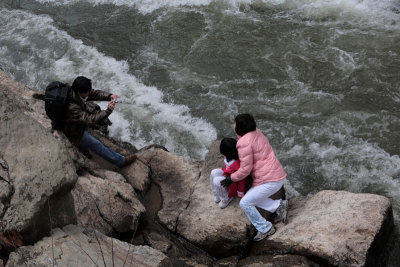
point(219, 191)
point(259, 197)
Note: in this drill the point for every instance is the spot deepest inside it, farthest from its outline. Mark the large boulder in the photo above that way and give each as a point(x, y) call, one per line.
point(107, 203)
point(333, 228)
point(181, 252)
point(137, 174)
point(221, 232)
point(176, 178)
point(276, 260)
point(151, 233)
point(188, 207)
point(39, 168)
point(73, 246)
point(23, 99)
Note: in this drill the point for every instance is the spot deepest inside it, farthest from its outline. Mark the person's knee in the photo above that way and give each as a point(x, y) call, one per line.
point(243, 203)
point(217, 184)
point(214, 172)
point(212, 175)
point(97, 142)
point(90, 141)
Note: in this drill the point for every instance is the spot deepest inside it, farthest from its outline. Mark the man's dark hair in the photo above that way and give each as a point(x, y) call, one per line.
point(245, 123)
point(82, 85)
point(228, 148)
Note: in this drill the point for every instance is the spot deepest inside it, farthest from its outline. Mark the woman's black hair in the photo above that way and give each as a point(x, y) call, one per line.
point(228, 148)
point(245, 123)
point(82, 85)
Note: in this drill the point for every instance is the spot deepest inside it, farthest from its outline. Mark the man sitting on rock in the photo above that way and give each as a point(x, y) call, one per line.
point(78, 118)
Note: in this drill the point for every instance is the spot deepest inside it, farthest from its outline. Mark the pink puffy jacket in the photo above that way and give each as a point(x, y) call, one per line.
point(257, 157)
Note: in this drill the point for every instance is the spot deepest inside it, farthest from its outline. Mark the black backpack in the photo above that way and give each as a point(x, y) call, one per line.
point(56, 99)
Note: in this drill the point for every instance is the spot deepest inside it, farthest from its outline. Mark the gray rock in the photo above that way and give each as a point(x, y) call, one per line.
point(22, 98)
point(176, 177)
point(72, 246)
point(5, 187)
point(333, 227)
point(227, 262)
point(159, 242)
point(276, 260)
point(111, 176)
point(106, 204)
point(137, 174)
point(178, 249)
point(4, 176)
point(39, 166)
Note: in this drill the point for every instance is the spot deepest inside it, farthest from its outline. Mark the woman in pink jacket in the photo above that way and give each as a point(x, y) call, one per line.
point(258, 159)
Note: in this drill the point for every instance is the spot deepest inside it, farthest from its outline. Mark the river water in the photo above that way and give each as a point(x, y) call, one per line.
point(321, 77)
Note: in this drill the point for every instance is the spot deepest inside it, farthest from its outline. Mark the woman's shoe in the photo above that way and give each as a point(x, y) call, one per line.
point(260, 236)
point(216, 199)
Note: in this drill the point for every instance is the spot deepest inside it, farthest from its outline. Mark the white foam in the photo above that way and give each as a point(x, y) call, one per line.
point(346, 161)
point(382, 13)
point(296, 150)
point(55, 55)
point(360, 165)
point(369, 12)
point(345, 61)
point(144, 6)
point(289, 190)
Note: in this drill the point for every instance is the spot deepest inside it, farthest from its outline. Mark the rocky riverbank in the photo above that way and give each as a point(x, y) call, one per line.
point(60, 208)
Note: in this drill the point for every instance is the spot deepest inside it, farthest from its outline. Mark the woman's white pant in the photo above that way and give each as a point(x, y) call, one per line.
point(219, 191)
point(259, 196)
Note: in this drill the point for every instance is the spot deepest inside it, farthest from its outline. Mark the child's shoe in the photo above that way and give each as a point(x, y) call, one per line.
point(216, 199)
point(223, 204)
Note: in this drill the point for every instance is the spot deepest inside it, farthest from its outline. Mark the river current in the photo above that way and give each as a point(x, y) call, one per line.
point(321, 77)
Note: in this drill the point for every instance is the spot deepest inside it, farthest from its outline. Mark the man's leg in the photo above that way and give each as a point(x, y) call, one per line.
point(91, 143)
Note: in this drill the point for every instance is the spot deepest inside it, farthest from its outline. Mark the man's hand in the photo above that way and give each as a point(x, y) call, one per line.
point(111, 105)
point(114, 97)
point(226, 182)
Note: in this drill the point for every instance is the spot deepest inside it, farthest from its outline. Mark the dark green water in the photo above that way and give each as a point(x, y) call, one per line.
point(321, 77)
